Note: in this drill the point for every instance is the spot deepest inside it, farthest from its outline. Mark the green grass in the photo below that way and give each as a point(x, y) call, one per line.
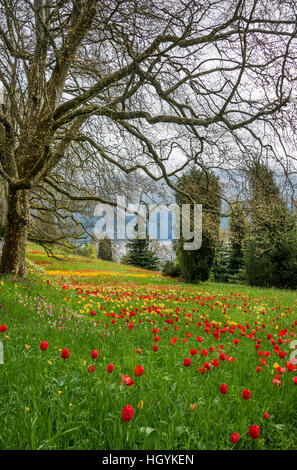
point(34, 414)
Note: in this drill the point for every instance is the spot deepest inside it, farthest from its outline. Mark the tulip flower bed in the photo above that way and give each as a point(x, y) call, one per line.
point(120, 358)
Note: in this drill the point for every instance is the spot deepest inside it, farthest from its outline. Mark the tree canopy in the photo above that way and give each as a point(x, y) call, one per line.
point(93, 89)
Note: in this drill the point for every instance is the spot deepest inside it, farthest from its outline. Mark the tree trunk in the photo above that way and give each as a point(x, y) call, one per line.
point(15, 233)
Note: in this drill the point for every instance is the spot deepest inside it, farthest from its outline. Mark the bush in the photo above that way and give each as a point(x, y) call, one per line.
point(104, 249)
point(170, 269)
point(125, 259)
point(86, 250)
point(277, 267)
point(196, 265)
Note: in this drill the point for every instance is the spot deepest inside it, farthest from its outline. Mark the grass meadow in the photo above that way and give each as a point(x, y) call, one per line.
point(188, 339)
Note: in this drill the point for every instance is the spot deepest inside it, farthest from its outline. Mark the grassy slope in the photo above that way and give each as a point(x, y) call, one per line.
point(71, 262)
point(48, 403)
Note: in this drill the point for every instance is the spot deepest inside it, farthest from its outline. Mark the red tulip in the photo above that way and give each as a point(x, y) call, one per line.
point(290, 366)
point(234, 438)
point(3, 328)
point(65, 354)
point(44, 345)
point(223, 388)
point(126, 380)
point(254, 431)
point(110, 367)
point(127, 413)
point(246, 394)
point(138, 371)
point(94, 354)
point(91, 368)
point(266, 416)
point(155, 347)
point(187, 362)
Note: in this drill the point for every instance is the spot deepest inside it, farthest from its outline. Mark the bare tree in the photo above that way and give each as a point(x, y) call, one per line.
point(137, 85)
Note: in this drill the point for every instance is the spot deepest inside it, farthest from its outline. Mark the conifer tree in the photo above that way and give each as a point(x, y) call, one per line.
point(237, 234)
point(204, 189)
point(140, 254)
point(221, 266)
point(105, 249)
point(271, 254)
